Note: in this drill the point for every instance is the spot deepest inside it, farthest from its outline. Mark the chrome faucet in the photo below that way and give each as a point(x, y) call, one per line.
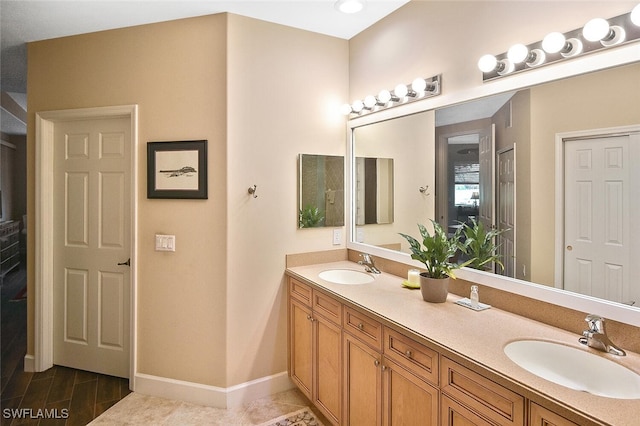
point(368, 263)
point(596, 336)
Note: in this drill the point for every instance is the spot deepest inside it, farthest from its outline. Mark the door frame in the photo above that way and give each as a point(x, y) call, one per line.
point(559, 186)
point(44, 171)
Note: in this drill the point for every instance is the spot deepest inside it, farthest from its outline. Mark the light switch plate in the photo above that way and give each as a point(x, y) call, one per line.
point(165, 242)
point(337, 236)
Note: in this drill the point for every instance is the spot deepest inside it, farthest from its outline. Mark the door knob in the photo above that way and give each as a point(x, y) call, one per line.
point(127, 263)
point(569, 248)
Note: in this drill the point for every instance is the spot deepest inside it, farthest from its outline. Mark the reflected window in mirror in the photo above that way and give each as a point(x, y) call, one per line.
point(321, 191)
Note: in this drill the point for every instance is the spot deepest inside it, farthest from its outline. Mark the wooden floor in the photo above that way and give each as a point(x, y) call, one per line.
point(76, 397)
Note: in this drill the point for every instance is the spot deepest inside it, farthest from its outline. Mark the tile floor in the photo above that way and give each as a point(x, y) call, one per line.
point(137, 409)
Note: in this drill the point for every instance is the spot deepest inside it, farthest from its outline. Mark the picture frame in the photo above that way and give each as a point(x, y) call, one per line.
point(177, 169)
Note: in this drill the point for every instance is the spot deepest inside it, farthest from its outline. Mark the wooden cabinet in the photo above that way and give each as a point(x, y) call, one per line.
point(493, 403)
point(9, 246)
point(384, 376)
point(315, 347)
point(540, 416)
point(362, 383)
point(359, 371)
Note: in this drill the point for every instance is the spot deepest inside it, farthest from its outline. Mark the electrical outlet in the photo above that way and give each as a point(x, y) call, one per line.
point(165, 242)
point(337, 236)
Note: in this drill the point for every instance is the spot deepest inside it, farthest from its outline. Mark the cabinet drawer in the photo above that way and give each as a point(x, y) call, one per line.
point(363, 327)
point(327, 306)
point(412, 355)
point(495, 402)
point(540, 416)
point(300, 291)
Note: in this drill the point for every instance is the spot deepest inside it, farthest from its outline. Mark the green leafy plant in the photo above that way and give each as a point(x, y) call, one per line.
point(309, 217)
point(436, 250)
point(480, 245)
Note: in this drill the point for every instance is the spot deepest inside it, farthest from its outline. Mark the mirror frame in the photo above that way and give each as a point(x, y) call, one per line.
point(622, 55)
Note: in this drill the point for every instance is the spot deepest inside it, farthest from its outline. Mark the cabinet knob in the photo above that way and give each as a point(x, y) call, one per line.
point(360, 326)
point(376, 363)
point(384, 368)
point(408, 353)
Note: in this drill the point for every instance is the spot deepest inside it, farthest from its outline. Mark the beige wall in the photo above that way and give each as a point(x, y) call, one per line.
point(593, 101)
point(425, 38)
point(285, 89)
point(212, 312)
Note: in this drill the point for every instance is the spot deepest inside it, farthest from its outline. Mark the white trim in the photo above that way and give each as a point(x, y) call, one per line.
point(43, 325)
point(212, 396)
point(29, 363)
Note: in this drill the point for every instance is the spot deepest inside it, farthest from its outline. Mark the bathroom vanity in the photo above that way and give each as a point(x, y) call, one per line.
point(376, 353)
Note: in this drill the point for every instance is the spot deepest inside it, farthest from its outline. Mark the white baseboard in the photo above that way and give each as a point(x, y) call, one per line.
point(29, 363)
point(211, 396)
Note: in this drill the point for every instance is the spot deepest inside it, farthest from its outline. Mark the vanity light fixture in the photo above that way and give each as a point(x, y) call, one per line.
point(349, 6)
point(596, 35)
point(420, 88)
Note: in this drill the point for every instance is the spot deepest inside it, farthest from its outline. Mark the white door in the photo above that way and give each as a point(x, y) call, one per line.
point(506, 211)
point(487, 177)
point(91, 288)
point(601, 208)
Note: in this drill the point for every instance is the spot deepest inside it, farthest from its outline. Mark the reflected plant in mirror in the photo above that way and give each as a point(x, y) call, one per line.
point(321, 191)
point(553, 168)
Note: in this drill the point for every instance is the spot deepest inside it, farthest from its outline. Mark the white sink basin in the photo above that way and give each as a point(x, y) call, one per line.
point(345, 276)
point(575, 368)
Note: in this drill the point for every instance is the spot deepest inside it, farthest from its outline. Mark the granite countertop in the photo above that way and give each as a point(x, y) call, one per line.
point(476, 336)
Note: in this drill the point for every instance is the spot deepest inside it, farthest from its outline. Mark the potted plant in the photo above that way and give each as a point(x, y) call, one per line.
point(479, 245)
point(309, 217)
point(436, 252)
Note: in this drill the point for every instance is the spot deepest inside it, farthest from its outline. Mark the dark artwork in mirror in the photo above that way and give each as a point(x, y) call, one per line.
point(508, 160)
point(321, 191)
point(374, 186)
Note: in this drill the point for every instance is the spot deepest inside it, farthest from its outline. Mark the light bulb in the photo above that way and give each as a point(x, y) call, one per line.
point(517, 53)
point(357, 106)
point(596, 29)
point(345, 109)
point(554, 42)
point(487, 63)
point(635, 15)
point(370, 101)
point(401, 90)
point(384, 96)
point(419, 85)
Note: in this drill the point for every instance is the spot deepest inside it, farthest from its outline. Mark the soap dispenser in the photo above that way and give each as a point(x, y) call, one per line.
point(474, 297)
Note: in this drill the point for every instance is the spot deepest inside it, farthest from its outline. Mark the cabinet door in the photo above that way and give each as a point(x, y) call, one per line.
point(328, 383)
point(362, 384)
point(540, 416)
point(455, 414)
point(408, 400)
point(301, 346)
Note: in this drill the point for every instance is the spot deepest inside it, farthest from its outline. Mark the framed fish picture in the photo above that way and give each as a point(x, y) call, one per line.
point(177, 169)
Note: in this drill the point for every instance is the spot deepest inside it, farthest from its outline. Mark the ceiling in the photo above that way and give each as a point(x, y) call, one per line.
point(23, 21)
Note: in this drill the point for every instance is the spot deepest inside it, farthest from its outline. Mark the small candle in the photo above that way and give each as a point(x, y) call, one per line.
point(414, 276)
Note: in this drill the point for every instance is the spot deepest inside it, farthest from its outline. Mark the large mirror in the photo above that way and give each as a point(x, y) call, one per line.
point(321, 190)
point(563, 173)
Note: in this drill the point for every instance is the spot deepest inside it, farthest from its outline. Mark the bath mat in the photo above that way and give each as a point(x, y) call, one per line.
point(303, 417)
